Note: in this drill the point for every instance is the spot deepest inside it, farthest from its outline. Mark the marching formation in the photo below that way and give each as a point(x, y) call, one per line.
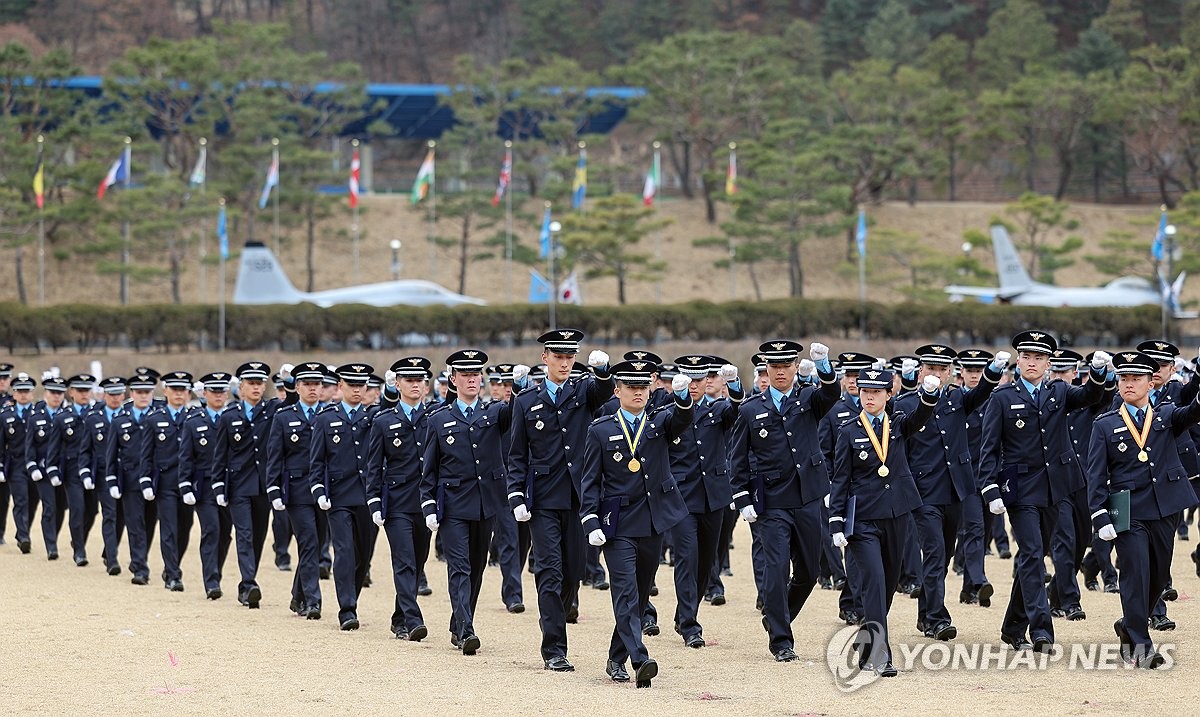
point(867, 475)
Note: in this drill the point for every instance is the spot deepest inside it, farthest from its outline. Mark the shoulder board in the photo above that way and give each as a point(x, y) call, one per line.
point(1106, 414)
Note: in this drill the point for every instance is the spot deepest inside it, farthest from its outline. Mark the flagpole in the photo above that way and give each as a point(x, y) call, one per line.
point(554, 229)
point(203, 230)
point(275, 162)
point(508, 223)
point(657, 235)
point(732, 244)
point(125, 226)
point(432, 216)
point(221, 304)
point(41, 142)
point(354, 226)
point(862, 280)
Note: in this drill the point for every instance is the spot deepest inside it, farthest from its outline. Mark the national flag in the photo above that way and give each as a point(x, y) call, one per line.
point(272, 180)
point(118, 172)
point(568, 290)
point(1158, 248)
point(731, 175)
point(222, 234)
point(653, 181)
point(545, 238)
point(199, 172)
point(354, 176)
point(39, 180)
point(539, 288)
point(860, 233)
point(505, 178)
point(579, 186)
point(425, 178)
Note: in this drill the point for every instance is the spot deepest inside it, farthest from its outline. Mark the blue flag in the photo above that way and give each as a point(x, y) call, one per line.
point(860, 234)
point(579, 186)
point(544, 248)
point(223, 234)
point(271, 182)
point(539, 288)
point(1158, 248)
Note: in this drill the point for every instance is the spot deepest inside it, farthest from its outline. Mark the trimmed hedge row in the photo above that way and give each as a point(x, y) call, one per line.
point(171, 327)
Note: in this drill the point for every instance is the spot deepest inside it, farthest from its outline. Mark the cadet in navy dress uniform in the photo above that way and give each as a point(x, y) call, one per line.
point(161, 458)
point(67, 447)
point(12, 452)
point(240, 469)
point(776, 467)
point(395, 448)
point(972, 363)
point(5, 400)
point(462, 487)
point(127, 477)
point(625, 455)
point(1134, 449)
point(337, 477)
point(871, 493)
point(544, 479)
point(93, 464)
point(197, 478)
point(700, 465)
point(1027, 465)
point(39, 432)
point(289, 443)
point(940, 462)
point(510, 541)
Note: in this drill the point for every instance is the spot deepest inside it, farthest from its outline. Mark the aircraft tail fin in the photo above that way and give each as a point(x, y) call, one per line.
point(261, 279)
point(1008, 262)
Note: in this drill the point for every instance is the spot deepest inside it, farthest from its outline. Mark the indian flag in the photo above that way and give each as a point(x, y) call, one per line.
point(653, 181)
point(424, 181)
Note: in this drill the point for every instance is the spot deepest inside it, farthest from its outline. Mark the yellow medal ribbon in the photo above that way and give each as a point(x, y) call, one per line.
point(634, 464)
point(880, 450)
point(1139, 438)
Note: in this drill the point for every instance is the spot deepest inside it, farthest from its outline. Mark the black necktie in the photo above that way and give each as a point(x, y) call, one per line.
point(350, 413)
point(1141, 415)
point(878, 426)
point(1035, 394)
point(469, 412)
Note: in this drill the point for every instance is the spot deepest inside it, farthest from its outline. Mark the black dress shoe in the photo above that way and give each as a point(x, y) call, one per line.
point(516, 608)
point(114, 569)
point(839, 584)
point(758, 603)
point(653, 590)
point(943, 632)
point(1170, 594)
point(887, 669)
point(312, 612)
point(1076, 613)
point(616, 672)
point(786, 655)
point(572, 615)
point(140, 580)
point(400, 632)
point(25, 546)
point(986, 591)
point(455, 641)
point(651, 629)
point(285, 567)
point(914, 591)
point(1153, 660)
point(1043, 644)
point(1161, 623)
point(175, 586)
point(424, 590)
point(52, 555)
point(253, 597)
point(967, 597)
point(367, 580)
point(418, 633)
point(718, 599)
point(1058, 612)
point(296, 606)
point(1093, 585)
point(1124, 637)
point(1005, 554)
point(323, 573)
point(81, 561)
point(1196, 559)
point(350, 623)
point(1016, 643)
point(1112, 587)
point(600, 584)
point(825, 583)
point(470, 645)
point(645, 672)
point(214, 594)
point(695, 642)
point(559, 664)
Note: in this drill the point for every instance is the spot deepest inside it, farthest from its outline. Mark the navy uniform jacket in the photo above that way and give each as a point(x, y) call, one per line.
point(289, 442)
point(12, 440)
point(240, 451)
point(845, 409)
point(1180, 394)
point(1158, 488)
point(337, 456)
point(659, 398)
point(93, 451)
point(700, 456)
point(938, 454)
point(546, 440)
point(395, 452)
point(39, 428)
point(463, 472)
point(123, 456)
point(196, 445)
point(1026, 457)
point(67, 442)
point(789, 465)
point(856, 470)
point(161, 449)
point(640, 504)
point(1079, 422)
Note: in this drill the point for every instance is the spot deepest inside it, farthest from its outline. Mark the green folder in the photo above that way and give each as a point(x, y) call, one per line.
point(1118, 510)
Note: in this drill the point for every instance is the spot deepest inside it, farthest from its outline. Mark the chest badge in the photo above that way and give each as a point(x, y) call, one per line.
point(396, 441)
point(1020, 423)
point(337, 438)
point(617, 456)
point(1122, 447)
point(125, 437)
point(237, 436)
point(70, 431)
point(162, 436)
point(676, 441)
point(762, 433)
point(204, 441)
point(41, 433)
point(295, 437)
point(862, 455)
point(539, 425)
point(449, 440)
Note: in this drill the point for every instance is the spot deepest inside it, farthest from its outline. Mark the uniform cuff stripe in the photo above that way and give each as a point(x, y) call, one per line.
point(511, 495)
point(836, 518)
point(589, 516)
point(988, 487)
point(739, 495)
point(1099, 513)
point(429, 502)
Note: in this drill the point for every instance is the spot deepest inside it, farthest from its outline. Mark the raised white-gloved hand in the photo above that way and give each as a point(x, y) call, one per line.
point(1181, 363)
point(148, 493)
point(839, 540)
point(234, 382)
point(908, 366)
point(88, 483)
point(431, 522)
point(1108, 533)
point(728, 373)
point(520, 371)
point(931, 383)
point(285, 371)
point(189, 498)
point(3, 478)
point(596, 538)
point(115, 492)
point(1100, 359)
point(1002, 359)
point(826, 500)
point(680, 383)
point(277, 504)
point(377, 518)
point(35, 474)
point(198, 389)
point(807, 368)
point(323, 503)
point(1177, 377)
point(996, 506)
point(597, 358)
point(818, 351)
point(389, 378)
point(749, 514)
point(521, 513)
point(222, 500)
point(55, 480)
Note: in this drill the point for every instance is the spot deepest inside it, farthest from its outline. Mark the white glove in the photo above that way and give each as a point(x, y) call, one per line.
point(1002, 359)
point(908, 366)
point(1100, 359)
point(818, 351)
point(377, 518)
point(596, 359)
point(115, 492)
point(88, 483)
point(1177, 377)
point(520, 371)
point(728, 373)
point(1108, 533)
point(931, 384)
point(189, 498)
point(277, 504)
point(55, 480)
point(596, 537)
point(680, 383)
point(521, 513)
point(222, 501)
point(996, 506)
point(323, 503)
point(285, 371)
point(148, 493)
point(389, 378)
point(839, 540)
point(1180, 363)
point(35, 475)
point(3, 478)
point(807, 368)
point(749, 514)
point(826, 500)
point(431, 522)
point(234, 382)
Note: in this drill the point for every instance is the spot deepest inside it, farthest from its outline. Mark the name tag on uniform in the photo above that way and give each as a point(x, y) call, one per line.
point(761, 415)
point(199, 429)
point(1120, 429)
point(843, 414)
point(334, 424)
point(613, 438)
point(861, 440)
point(295, 423)
point(538, 406)
point(1016, 405)
point(394, 426)
point(163, 424)
point(236, 423)
point(451, 423)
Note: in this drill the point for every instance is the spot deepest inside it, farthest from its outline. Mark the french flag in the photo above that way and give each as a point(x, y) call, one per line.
point(118, 172)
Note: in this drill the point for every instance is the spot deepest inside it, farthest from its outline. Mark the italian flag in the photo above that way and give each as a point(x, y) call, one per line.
point(653, 181)
point(424, 181)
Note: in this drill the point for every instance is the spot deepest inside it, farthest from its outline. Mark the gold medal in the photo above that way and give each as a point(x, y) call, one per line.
point(883, 471)
point(881, 449)
point(1139, 438)
point(634, 465)
point(1143, 456)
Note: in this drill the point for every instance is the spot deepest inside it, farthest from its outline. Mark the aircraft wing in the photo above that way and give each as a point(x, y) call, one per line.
point(984, 292)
